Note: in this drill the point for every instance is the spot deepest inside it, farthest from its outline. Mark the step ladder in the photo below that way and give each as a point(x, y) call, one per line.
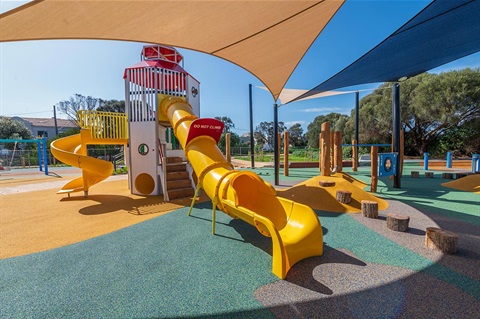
point(179, 184)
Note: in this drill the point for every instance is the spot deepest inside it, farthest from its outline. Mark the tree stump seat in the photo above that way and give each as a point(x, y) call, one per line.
point(397, 222)
point(344, 196)
point(447, 175)
point(415, 174)
point(441, 240)
point(460, 175)
point(369, 209)
point(429, 174)
point(327, 183)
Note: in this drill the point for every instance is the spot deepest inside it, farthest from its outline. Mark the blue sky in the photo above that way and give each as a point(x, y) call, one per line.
point(35, 75)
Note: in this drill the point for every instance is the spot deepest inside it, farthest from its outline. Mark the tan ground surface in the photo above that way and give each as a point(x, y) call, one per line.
point(40, 220)
point(34, 218)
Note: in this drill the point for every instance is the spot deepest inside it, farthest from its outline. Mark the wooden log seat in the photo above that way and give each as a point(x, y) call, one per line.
point(344, 196)
point(397, 222)
point(429, 174)
point(442, 240)
point(447, 175)
point(460, 175)
point(369, 209)
point(327, 183)
point(415, 174)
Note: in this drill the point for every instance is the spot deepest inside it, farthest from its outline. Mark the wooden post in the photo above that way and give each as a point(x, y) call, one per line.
point(332, 146)
point(320, 162)
point(354, 155)
point(325, 148)
point(227, 147)
point(374, 169)
point(286, 139)
point(337, 151)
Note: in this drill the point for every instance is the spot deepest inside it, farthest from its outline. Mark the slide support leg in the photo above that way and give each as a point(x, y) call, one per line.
point(214, 214)
point(197, 189)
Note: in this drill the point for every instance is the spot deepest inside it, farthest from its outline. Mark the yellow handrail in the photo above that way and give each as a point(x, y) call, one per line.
point(104, 125)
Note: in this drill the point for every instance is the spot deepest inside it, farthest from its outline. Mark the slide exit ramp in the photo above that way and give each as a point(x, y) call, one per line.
point(100, 128)
point(295, 229)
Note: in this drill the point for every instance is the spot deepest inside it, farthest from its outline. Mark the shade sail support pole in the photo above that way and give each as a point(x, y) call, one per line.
point(357, 117)
point(276, 145)
point(396, 132)
point(252, 144)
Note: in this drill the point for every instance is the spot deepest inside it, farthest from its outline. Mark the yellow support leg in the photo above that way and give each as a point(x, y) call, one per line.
point(197, 189)
point(214, 214)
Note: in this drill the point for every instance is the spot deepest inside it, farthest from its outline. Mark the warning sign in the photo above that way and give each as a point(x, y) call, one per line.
point(206, 126)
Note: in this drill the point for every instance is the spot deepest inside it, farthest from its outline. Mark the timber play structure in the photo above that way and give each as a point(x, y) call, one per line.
point(161, 99)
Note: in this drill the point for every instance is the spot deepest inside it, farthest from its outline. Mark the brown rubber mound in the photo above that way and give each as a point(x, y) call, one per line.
point(470, 183)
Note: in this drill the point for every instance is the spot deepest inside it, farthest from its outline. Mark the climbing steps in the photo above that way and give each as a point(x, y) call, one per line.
point(178, 179)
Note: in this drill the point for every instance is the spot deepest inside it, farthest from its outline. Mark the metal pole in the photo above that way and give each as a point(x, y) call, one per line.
point(45, 158)
point(55, 119)
point(396, 132)
point(252, 146)
point(39, 153)
point(275, 143)
point(357, 118)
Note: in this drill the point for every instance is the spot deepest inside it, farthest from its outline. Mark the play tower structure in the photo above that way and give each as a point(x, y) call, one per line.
point(162, 100)
point(154, 167)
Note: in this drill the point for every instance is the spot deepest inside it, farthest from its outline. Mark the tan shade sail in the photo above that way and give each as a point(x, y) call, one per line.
point(267, 38)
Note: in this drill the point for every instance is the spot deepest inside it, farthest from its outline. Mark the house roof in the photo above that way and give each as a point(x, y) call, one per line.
point(49, 122)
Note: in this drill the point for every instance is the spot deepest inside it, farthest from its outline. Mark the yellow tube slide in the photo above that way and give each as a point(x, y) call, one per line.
point(295, 229)
point(72, 150)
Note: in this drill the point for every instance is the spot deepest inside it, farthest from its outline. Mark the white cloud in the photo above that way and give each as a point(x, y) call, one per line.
point(291, 123)
point(321, 110)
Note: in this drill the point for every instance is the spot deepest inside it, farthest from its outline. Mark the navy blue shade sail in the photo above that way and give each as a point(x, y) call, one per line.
point(446, 30)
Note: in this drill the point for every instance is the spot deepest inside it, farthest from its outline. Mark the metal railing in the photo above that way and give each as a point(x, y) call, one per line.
point(105, 125)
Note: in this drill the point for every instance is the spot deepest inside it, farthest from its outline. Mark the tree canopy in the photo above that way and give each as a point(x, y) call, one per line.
point(337, 123)
point(11, 129)
point(264, 132)
point(111, 106)
point(296, 136)
point(431, 105)
point(76, 103)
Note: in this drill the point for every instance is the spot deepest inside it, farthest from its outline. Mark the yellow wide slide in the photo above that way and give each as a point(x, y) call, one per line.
point(295, 229)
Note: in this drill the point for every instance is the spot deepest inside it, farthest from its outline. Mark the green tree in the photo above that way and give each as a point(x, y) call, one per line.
point(264, 132)
point(76, 103)
point(11, 129)
point(227, 122)
point(111, 106)
point(234, 140)
point(431, 105)
point(435, 104)
point(337, 123)
point(296, 136)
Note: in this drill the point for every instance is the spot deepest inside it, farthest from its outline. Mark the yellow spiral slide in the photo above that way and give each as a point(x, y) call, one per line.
point(72, 150)
point(295, 229)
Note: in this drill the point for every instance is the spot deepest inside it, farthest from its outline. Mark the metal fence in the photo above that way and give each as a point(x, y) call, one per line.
point(29, 158)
